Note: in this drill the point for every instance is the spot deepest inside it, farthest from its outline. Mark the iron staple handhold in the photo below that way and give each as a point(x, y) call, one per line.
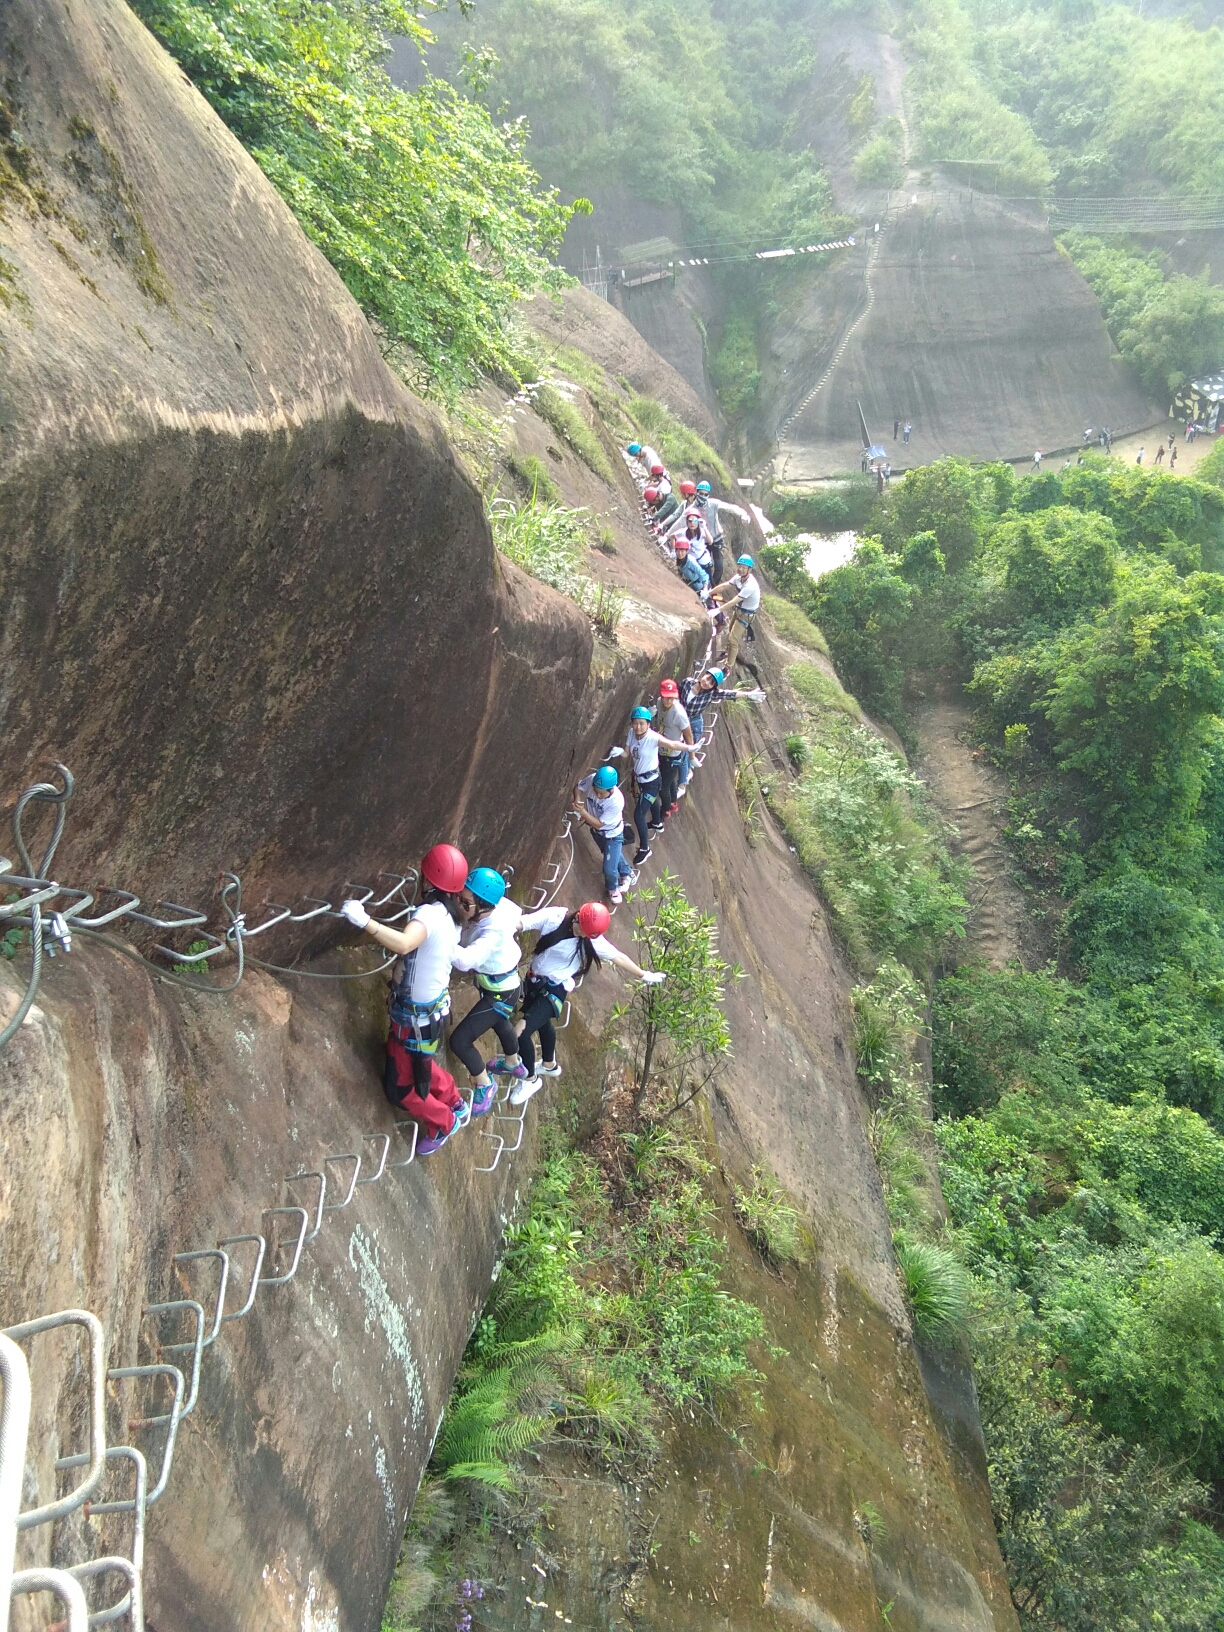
point(382, 1161)
point(411, 1156)
point(63, 1585)
point(218, 1313)
point(97, 1410)
point(322, 1178)
point(238, 1240)
point(304, 1217)
point(346, 1156)
point(196, 1344)
point(170, 1419)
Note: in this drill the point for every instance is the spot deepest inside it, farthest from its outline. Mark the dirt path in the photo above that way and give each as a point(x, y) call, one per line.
point(971, 795)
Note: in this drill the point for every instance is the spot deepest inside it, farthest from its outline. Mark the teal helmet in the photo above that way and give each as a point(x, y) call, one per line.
point(641, 714)
point(605, 778)
point(717, 675)
point(703, 487)
point(486, 885)
point(635, 448)
point(745, 561)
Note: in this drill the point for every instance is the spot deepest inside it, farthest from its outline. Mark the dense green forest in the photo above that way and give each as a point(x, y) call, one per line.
point(1080, 1106)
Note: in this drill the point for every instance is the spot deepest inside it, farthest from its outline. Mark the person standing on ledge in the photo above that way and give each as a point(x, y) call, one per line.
point(643, 744)
point(427, 947)
point(673, 767)
point(600, 805)
point(497, 921)
point(740, 594)
point(571, 944)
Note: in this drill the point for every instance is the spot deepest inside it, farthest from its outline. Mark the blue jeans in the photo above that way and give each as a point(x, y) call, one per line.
point(686, 766)
point(615, 868)
point(694, 576)
point(648, 797)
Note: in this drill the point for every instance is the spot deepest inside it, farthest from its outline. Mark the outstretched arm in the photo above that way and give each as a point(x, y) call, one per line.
point(630, 968)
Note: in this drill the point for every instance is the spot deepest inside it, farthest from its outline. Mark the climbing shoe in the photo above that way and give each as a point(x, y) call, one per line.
point(482, 1100)
point(524, 1091)
point(655, 827)
point(548, 1068)
point(427, 1147)
point(463, 1115)
point(642, 855)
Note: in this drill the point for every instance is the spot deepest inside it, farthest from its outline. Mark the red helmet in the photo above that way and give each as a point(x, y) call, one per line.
point(657, 470)
point(688, 489)
point(668, 688)
point(445, 868)
point(682, 542)
point(592, 918)
point(650, 494)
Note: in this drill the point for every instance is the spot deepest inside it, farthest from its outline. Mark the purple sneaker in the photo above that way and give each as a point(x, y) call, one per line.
point(482, 1100)
point(499, 1068)
point(427, 1147)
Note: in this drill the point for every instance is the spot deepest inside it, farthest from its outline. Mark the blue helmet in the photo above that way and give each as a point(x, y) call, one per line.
point(486, 885)
point(717, 675)
point(703, 487)
point(634, 448)
point(745, 561)
point(605, 778)
point(641, 714)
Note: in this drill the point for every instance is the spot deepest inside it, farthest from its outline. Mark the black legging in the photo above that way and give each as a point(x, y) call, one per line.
point(669, 772)
point(480, 1018)
point(539, 1014)
point(647, 801)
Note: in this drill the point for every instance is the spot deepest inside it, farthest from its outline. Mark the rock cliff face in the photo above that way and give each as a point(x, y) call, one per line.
point(251, 600)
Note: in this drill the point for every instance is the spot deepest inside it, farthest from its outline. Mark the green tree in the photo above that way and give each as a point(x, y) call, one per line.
point(429, 212)
point(1056, 564)
point(863, 609)
point(678, 1028)
point(949, 499)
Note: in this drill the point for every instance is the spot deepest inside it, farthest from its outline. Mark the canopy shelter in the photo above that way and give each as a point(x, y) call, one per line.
point(873, 453)
point(1200, 401)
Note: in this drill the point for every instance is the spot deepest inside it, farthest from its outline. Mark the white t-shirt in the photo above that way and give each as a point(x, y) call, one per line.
point(644, 751)
point(607, 808)
point(750, 595)
point(494, 939)
point(427, 970)
point(562, 962)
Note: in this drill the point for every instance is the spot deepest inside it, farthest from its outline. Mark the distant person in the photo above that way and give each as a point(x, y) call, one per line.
point(896, 428)
point(905, 434)
point(879, 479)
point(1160, 453)
point(1087, 435)
point(1172, 453)
point(1139, 457)
point(1036, 461)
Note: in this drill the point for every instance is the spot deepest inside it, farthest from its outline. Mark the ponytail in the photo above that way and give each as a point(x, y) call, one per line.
point(450, 900)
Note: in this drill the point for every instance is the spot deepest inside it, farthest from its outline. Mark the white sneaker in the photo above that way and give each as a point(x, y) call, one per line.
point(680, 792)
point(549, 1068)
point(524, 1091)
point(615, 897)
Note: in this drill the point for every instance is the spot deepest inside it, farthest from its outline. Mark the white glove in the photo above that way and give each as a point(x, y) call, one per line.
point(355, 913)
point(616, 753)
point(654, 978)
point(754, 696)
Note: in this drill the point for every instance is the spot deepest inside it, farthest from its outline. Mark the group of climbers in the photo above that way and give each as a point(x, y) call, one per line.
point(690, 531)
point(467, 922)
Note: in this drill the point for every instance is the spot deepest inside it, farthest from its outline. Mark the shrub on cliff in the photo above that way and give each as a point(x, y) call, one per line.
point(428, 210)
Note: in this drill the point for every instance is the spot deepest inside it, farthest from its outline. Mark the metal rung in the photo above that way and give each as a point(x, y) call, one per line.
point(534, 906)
point(367, 892)
point(304, 1217)
point(348, 1156)
point(322, 1178)
point(320, 908)
point(261, 1249)
point(14, 1427)
point(281, 914)
point(382, 1160)
point(219, 945)
point(169, 1419)
point(554, 875)
point(219, 1311)
point(132, 1601)
point(97, 1410)
point(128, 904)
point(416, 1133)
point(189, 917)
point(63, 1586)
point(501, 1145)
point(401, 883)
point(196, 1344)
